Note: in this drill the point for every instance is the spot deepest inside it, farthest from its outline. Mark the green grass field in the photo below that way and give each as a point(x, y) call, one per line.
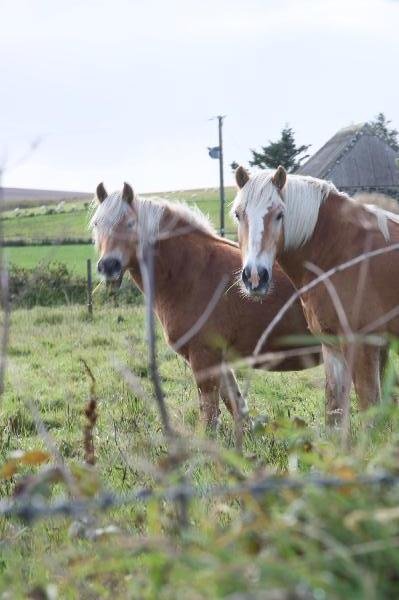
point(74, 224)
point(55, 226)
point(74, 256)
point(311, 544)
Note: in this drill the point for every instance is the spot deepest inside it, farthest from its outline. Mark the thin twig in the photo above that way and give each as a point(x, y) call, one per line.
point(35, 508)
point(52, 447)
point(147, 275)
point(335, 299)
point(200, 322)
point(5, 335)
point(272, 358)
point(238, 420)
point(131, 379)
point(348, 333)
point(361, 284)
point(148, 278)
point(306, 288)
point(5, 298)
point(91, 416)
point(388, 316)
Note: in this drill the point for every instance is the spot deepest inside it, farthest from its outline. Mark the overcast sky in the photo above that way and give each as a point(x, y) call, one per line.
point(123, 90)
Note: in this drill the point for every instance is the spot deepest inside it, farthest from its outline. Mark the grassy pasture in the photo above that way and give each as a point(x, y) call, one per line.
point(54, 226)
point(303, 545)
point(74, 256)
point(311, 544)
point(73, 223)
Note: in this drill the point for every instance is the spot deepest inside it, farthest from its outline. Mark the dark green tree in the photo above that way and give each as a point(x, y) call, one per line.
point(380, 126)
point(283, 152)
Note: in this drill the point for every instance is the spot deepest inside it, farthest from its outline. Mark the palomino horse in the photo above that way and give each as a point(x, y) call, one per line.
point(311, 228)
point(190, 261)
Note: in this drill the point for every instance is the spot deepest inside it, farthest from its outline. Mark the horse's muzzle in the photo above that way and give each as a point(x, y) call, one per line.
point(258, 286)
point(110, 268)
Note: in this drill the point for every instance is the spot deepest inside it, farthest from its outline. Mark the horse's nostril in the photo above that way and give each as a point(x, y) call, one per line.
point(263, 275)
point(246, 274)
point(100, 266)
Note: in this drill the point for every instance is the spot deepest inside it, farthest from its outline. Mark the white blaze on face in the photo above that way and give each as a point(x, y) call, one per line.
point(253, 260)
point(108, 246)
point(261, 245)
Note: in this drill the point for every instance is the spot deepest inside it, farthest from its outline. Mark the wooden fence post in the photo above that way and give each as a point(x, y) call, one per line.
point(89, 289)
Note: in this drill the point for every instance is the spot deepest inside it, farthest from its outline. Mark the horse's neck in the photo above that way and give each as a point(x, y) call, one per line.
point(178, 261)
point(175, 266)
point(327, 245)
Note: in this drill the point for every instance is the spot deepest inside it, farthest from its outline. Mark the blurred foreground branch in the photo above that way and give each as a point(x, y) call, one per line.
point(5, 298)
point(36, 508)
point(91, 418)
point(147, 274)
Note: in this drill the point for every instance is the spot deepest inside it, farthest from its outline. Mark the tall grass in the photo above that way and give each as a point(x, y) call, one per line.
point(311, 543)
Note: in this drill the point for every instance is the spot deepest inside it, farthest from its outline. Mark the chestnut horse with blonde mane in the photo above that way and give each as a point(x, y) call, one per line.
point(311, 228)
point(190, 262)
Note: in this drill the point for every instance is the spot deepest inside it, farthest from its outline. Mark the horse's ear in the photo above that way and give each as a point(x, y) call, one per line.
point(127, 193)
point(242, 177)
point(280, 177)
point(101, 192)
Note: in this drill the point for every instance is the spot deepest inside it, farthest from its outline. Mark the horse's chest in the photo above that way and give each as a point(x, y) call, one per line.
point(317, 314)
point(175, 325)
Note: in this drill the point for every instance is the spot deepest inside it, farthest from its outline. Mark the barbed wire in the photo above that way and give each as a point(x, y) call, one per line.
point(35, 508)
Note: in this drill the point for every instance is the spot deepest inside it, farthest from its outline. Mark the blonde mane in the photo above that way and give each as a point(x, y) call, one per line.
point(302, 197)
point(150, 214)
point(383, 207)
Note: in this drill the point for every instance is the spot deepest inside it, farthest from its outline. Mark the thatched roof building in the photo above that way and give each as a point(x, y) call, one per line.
point(356, 159)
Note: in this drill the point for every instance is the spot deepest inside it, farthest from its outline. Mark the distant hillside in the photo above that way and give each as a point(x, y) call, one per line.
point(34, 224)
point(24, 198)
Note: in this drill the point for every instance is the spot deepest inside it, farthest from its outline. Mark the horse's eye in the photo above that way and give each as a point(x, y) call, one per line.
point(279, 216)
point(237, 215)
point(130, 224)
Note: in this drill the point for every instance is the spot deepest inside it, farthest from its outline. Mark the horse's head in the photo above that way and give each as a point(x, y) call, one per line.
point(114, 225)
point(259, 210)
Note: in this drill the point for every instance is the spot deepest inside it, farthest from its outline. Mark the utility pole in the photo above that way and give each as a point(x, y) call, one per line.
point(221, 181)
point(217, 152)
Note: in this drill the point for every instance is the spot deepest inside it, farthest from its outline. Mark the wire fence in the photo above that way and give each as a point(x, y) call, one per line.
point(36, 508)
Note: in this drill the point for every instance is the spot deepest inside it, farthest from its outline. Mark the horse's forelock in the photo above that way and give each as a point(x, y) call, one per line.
point(109, 213)
point(149, 212)
point(301, 195)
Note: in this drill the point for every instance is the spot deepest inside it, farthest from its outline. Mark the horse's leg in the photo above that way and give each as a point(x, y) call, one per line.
point(366, 375)
point(209, 405)
point(384, 353)
point(338, 385)
point(231, 393)
point(208, 387)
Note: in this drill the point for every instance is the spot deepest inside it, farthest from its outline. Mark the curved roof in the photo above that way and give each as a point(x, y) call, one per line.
point(355, 157)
